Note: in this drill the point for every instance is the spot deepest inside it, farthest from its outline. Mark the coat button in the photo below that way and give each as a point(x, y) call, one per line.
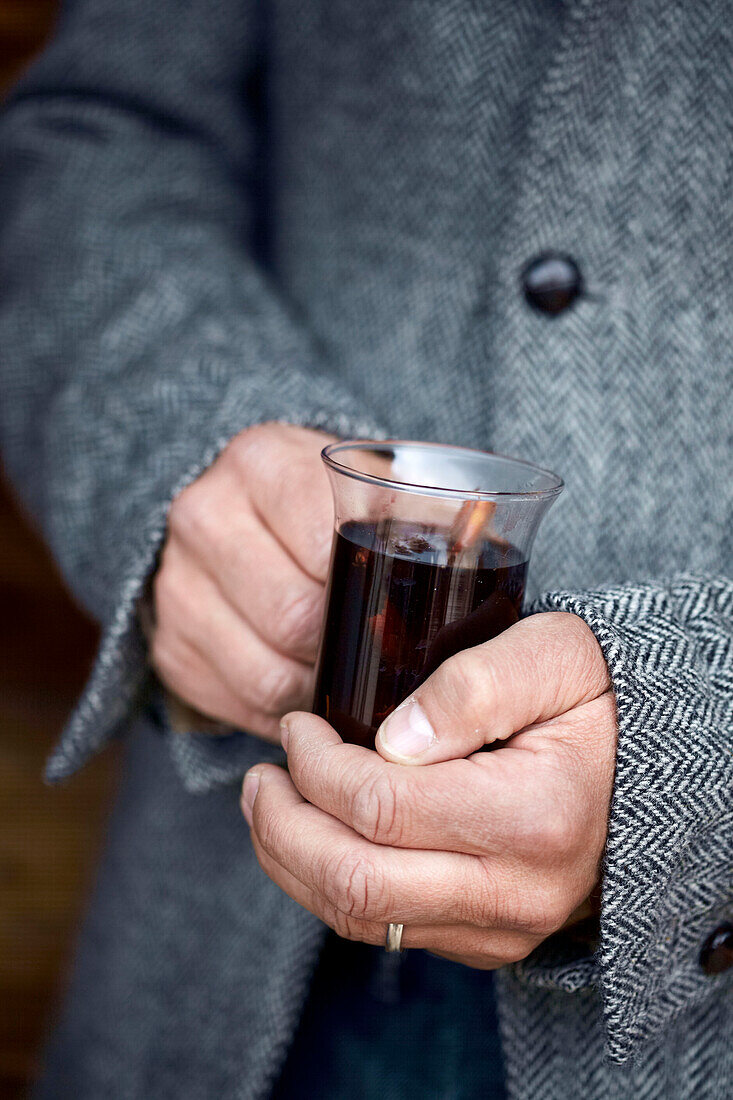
point(717, 951)
point(551, 282)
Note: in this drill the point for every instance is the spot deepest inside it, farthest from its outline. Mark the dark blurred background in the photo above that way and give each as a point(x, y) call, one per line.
point(49, 836)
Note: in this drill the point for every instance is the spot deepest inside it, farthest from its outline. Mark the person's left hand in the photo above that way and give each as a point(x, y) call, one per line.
point(481, 855)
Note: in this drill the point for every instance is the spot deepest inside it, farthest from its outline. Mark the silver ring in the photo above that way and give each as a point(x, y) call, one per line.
point(394, 938)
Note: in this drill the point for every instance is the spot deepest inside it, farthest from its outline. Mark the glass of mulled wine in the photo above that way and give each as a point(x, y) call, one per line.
point(429, 557)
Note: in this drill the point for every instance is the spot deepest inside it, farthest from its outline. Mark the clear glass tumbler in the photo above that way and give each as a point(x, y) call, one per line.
point(430, 556)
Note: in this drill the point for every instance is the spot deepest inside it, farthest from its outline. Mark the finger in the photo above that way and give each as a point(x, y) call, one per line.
point(364, 880)
point(288, 487)
point(536, 817)
point(539, 668)
point(253, 573)
point(190, 606)
point(454, 806)
point(481, 948)
point(192, 679)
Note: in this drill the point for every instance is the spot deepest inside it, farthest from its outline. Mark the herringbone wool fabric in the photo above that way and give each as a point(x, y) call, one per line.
point(182, 256)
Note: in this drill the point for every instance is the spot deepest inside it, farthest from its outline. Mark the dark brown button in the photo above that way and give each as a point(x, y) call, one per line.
point(717, 951)
point(551, 282)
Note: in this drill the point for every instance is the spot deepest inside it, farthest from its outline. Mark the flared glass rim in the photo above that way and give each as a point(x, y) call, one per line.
point(329, 452)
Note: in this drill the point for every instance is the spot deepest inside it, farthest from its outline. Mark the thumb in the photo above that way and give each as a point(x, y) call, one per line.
point(538, 669)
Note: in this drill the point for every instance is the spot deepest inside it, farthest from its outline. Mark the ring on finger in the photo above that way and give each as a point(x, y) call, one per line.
point(393, 941)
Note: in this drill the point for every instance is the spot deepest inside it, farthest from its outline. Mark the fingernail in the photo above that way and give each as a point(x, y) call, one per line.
point(407, 732)
point(249, 793)
point(284, 734)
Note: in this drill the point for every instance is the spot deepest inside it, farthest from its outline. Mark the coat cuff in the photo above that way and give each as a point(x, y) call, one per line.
point(668, 867)
point(207, 755)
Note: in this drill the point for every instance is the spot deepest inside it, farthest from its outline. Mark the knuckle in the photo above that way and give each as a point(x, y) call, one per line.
point(528, 908)
point(459, 680)
point(555, 832)
point(518, 950)
point(375, 811)
point(354, 887)
point(584, 655)
point(558, 836)
point(192, 515)
point(251, 445)
point(469, 672)
point(577, 629)
point(550, 920)
point(543, 912)
point(260, 452)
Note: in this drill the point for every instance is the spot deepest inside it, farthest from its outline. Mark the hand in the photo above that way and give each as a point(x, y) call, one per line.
point(240, 589)
point(481, 855)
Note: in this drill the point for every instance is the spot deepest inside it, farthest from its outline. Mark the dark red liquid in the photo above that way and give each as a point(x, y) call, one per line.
point(398, 606)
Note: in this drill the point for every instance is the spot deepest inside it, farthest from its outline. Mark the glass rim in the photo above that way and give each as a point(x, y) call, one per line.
point(332, 449)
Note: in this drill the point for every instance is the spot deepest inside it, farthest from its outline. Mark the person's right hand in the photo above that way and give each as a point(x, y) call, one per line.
point(239, 593)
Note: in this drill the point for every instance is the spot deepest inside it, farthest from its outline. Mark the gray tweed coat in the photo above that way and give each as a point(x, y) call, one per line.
point(182, 256)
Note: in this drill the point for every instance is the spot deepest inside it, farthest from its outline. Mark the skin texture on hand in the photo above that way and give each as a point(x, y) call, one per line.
point(238, 596)
point(481, 855)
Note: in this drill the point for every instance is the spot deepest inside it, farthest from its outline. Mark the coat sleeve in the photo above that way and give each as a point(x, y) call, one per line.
point(668, 868)
point(138, 334)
